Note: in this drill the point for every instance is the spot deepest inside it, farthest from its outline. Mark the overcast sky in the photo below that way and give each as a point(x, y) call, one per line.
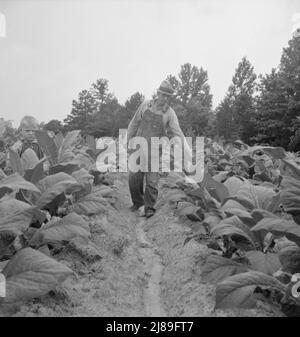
point(55, 49)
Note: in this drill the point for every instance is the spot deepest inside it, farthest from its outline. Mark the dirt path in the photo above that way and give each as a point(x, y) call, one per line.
point(153, 269)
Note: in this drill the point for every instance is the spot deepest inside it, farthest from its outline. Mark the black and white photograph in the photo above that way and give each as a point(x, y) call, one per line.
point(150, 161)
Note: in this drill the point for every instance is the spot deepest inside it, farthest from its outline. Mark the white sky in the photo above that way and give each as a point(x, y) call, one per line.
point(54, 49)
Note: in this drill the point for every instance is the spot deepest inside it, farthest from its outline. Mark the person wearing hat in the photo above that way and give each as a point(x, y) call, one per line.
point(28, 125)
point(154, 118)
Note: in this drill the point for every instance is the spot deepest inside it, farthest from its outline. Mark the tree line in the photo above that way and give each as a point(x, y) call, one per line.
point(255, 109)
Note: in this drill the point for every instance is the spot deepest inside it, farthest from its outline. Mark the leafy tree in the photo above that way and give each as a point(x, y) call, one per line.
point(132, 103)
point(95, 110)
point(54, 125)
point(82, 109)
point(236, 112)
point(279, 102)
point(193, 100)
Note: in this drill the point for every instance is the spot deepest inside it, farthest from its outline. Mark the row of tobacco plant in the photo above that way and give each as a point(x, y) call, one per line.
point(44, 205)
point(248, 205)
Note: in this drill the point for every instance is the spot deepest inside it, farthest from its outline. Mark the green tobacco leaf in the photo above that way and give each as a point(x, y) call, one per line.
point(233, 226)
point(93, 203)
point(20, 220)
point(10, 206)
point(218, 268)
point(53, 185)
point(238, 291)
point(31, 274)
point(290, 196)
point(266, 263)
point(83, 160)
point(189, 210)
point(233, 185)
point(29, 159)
point(221, 176)
point(61, 230)
point(275, 152)
point(217, 190)
point(67, 146)
point(15, 162)
point(211, 220)
point(36, 174)
point(58, 139)
point(173, 197)
point(290, 259)
point(68, 168)
point(279, 226)
point(232, 207)
point(293, 166)
point(48, 145)
point(252, 196)
point(91, 143)
point(85, 180)
point(14, 183)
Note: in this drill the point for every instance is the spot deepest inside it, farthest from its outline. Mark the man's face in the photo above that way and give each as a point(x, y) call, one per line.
point(28, 135)
point(162, 99)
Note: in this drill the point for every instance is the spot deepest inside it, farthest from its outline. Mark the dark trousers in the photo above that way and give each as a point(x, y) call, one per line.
point(136, 187)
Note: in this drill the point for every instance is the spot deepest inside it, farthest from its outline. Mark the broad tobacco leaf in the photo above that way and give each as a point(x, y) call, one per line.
point(58, 139)
point(14, 182)
point(189, 210)
point(57, 231)
point(91, 143)
point(233, 226)
point(280, 227)
point(266, 263)
point(173, 197)
point(84, 179)
point(93, 203)
point(217, 190)
point(252, 196)
point(53, 185)
point(35, 174)
point(221, 176)
point(17, 222)
point(31, 274)
point(233, 185)
point(238, 291)
point(293, 166)
point(232, 207)
point(290, 259)
point(29, 159)
point(218, 268)
point(65, 151)
point(83, 160)
point(68, 167)
point(48, 145)
point(275, 152)
point(9, 206)
point(15, 162)
point(290, 196)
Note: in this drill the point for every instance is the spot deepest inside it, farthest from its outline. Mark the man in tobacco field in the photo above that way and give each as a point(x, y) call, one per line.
point(28, 125)
point(154, 118)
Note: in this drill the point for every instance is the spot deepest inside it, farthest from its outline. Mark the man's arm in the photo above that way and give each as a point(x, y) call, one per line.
point(174, 127)
point(135, 122)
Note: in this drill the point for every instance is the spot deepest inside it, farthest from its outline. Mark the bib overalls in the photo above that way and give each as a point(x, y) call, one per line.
point(150, 126)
